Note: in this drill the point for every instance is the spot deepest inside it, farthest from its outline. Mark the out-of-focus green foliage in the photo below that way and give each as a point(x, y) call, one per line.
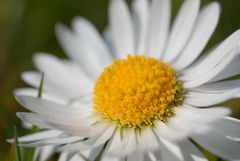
point(27, 26)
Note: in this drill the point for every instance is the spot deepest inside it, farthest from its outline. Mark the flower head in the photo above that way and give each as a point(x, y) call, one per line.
point(143, 92)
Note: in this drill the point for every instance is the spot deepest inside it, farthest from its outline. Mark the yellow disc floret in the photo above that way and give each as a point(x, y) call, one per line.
point(136, 91)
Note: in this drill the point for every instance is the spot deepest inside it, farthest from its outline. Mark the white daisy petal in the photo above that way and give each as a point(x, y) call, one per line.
point(59, 72)
point(218, 87)
point(80, 52)
point(91, 142)
point(206, 23)
point(33, 78)
point(170, 151)
point(169, 130)
point(195, 98)
point(115, 140)
point(136, 156)
point(201, 116)
point(190, 151)
point(46, 152)
point(38, 136)
point(182, 29)
point(76, 157)
point(51, 108)
point(126, 145)
point(231, 70)
point(34, 119)
point(34, 92)
point(63, 156)
point(210, 65)
point(95, 152)
point(140, 15)
point(229, 127)
point(122, 35)
point(52, 141)
point(219, 145)
point(89, 131)
point(211, 73)
point(90, 34)
point(147, 140)
point(158, 28)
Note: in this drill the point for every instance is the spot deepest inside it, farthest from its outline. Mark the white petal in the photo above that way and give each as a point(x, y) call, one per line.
point(90, 34)
point(169, 130)
point(210, 65)
point(147, 141)
point(33, 119)
point(113, 142)
point(90, 131)
point(211, 72)
point(170, 151)
point(34, 92)
point(121, 27)
point(218, 87)
point(140, 15)
point(199, 116)
point(136, 156)
point(219, 145)
point(53, 141)
point(51, 87)
point(190, 151)
point(229, 127)
point(158, 28)
point(46, 152)
point(51, 108)
point(39, 136)
point(182, 29)
point(195, 98)
point(206, 23)
point(80, 51)
point(77, 158)
point(32, 78)
point(63, 156)
point(231, 70)
point(57, 71)
point(91, 142)
point(126, 145)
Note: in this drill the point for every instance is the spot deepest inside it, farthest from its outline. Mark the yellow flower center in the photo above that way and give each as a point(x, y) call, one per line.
point(136, 91)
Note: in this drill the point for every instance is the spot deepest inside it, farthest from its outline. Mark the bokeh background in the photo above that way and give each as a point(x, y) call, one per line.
point(27, 26)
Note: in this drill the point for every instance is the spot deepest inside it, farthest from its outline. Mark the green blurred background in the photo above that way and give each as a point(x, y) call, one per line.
point(27, 26)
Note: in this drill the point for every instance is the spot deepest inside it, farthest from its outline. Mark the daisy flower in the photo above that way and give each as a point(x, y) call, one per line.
point(143, 91)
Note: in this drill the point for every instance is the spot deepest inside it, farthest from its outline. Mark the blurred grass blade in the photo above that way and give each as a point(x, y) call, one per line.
point(40, 88)
point(18, 152)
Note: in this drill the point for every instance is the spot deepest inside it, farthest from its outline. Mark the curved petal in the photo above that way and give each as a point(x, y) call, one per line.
point(229, 127)
point(89, 33)
point(219, 145)
point(218, 87)
point(158, 27)
point(182, 29)
point(195, 98)
point(140, 17)
point(147, 140)
point(210, 65)
point(206, 23)
point(39, 136)
point(80, 51)
point(121, 27)
point(231, 70)
point(51, 108)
